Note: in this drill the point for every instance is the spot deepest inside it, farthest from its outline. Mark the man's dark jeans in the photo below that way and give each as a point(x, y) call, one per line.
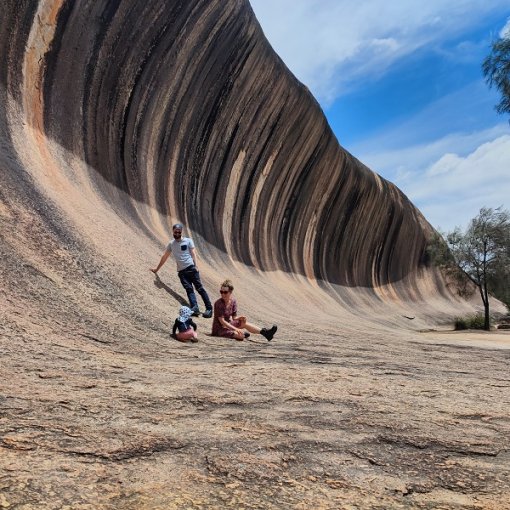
point(191, 277)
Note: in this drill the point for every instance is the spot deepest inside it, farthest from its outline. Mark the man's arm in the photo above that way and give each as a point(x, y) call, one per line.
point(164, 257)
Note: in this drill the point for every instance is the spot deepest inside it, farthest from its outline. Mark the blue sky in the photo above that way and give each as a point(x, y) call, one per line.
point(401, 85)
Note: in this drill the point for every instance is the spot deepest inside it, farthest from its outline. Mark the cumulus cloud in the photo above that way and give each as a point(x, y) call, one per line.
point(449, 178)
point(452, 189)
point(403, 163)
point(329, 44)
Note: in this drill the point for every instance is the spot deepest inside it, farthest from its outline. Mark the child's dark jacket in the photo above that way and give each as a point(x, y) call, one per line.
point(183, 326)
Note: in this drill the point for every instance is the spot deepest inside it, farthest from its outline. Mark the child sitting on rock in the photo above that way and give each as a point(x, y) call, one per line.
point(184, 328)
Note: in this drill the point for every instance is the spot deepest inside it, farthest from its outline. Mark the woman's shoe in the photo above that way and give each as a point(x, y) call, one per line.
point(268, 333)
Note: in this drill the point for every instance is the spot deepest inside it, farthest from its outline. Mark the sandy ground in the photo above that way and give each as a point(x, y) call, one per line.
point(101, 409)
point(479, 339)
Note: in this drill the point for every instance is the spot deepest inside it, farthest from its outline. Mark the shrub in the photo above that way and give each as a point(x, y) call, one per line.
point(470, 322)
point(460, 323)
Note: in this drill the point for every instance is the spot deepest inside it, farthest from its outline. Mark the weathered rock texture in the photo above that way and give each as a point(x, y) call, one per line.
point(184, 107)
point(118, 118)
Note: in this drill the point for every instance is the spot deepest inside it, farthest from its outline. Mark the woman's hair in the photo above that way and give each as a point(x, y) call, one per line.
point(228, 283)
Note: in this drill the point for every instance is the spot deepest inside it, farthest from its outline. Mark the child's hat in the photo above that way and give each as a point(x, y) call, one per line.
point(184, 313)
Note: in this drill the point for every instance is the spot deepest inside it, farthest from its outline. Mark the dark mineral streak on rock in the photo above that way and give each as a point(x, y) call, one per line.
point(185, 107)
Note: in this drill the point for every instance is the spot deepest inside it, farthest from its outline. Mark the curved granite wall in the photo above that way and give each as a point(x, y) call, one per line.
point(184, 106)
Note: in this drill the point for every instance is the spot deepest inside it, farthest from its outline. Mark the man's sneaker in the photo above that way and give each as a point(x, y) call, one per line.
point(268, 333)
point(196, 311)
point(207, 314)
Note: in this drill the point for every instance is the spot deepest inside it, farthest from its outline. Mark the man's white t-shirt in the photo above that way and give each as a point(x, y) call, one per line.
point(181, 252)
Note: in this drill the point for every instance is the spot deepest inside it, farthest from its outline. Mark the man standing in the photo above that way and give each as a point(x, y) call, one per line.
point(183, 249)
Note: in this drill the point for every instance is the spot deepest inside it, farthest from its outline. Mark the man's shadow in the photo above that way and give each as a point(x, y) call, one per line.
point(158, 283)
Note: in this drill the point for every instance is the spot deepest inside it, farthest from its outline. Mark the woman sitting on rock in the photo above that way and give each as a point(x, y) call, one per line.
point(227, 323)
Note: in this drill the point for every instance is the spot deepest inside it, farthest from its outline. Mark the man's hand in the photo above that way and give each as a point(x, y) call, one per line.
point(165, 255)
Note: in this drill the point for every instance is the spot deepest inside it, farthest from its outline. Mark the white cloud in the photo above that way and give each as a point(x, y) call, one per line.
point(414, 160)
point(450, 178)
point(452, 189)
point(329, 44)
point(444, 165)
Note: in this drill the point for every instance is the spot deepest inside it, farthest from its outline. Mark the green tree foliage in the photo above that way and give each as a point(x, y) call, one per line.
point(482, 252)
point(496, 69)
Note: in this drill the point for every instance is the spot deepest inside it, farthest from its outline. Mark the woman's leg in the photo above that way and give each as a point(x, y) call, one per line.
point(229, 333)
point(251, 328)
point(267, 333)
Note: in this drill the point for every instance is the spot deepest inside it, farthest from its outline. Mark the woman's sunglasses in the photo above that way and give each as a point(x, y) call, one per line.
point(224, 291)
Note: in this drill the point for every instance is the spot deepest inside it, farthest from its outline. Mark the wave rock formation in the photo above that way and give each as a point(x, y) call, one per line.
point(120, 117)
point(158, 111)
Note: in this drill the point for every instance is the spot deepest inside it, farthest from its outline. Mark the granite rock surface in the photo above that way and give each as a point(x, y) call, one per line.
point(118, 119)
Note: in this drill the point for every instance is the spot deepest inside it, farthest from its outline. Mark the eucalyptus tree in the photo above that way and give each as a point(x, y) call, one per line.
point(496, 69)
point(483, 251)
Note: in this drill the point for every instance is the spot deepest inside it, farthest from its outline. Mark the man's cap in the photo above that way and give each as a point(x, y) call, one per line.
point(177, 225)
